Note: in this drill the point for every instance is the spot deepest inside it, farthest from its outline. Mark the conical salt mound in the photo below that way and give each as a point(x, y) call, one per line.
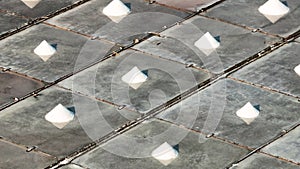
point(297, 69)
point(207, 43)
point(59, 116)
point(135, 77)
point(31, 3)
point(44, 50)
point(116, 8)
point(248, 113)
point(273, 10)
point(165, 153)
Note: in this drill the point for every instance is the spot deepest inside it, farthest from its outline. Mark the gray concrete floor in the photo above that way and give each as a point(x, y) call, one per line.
point(188, 100)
